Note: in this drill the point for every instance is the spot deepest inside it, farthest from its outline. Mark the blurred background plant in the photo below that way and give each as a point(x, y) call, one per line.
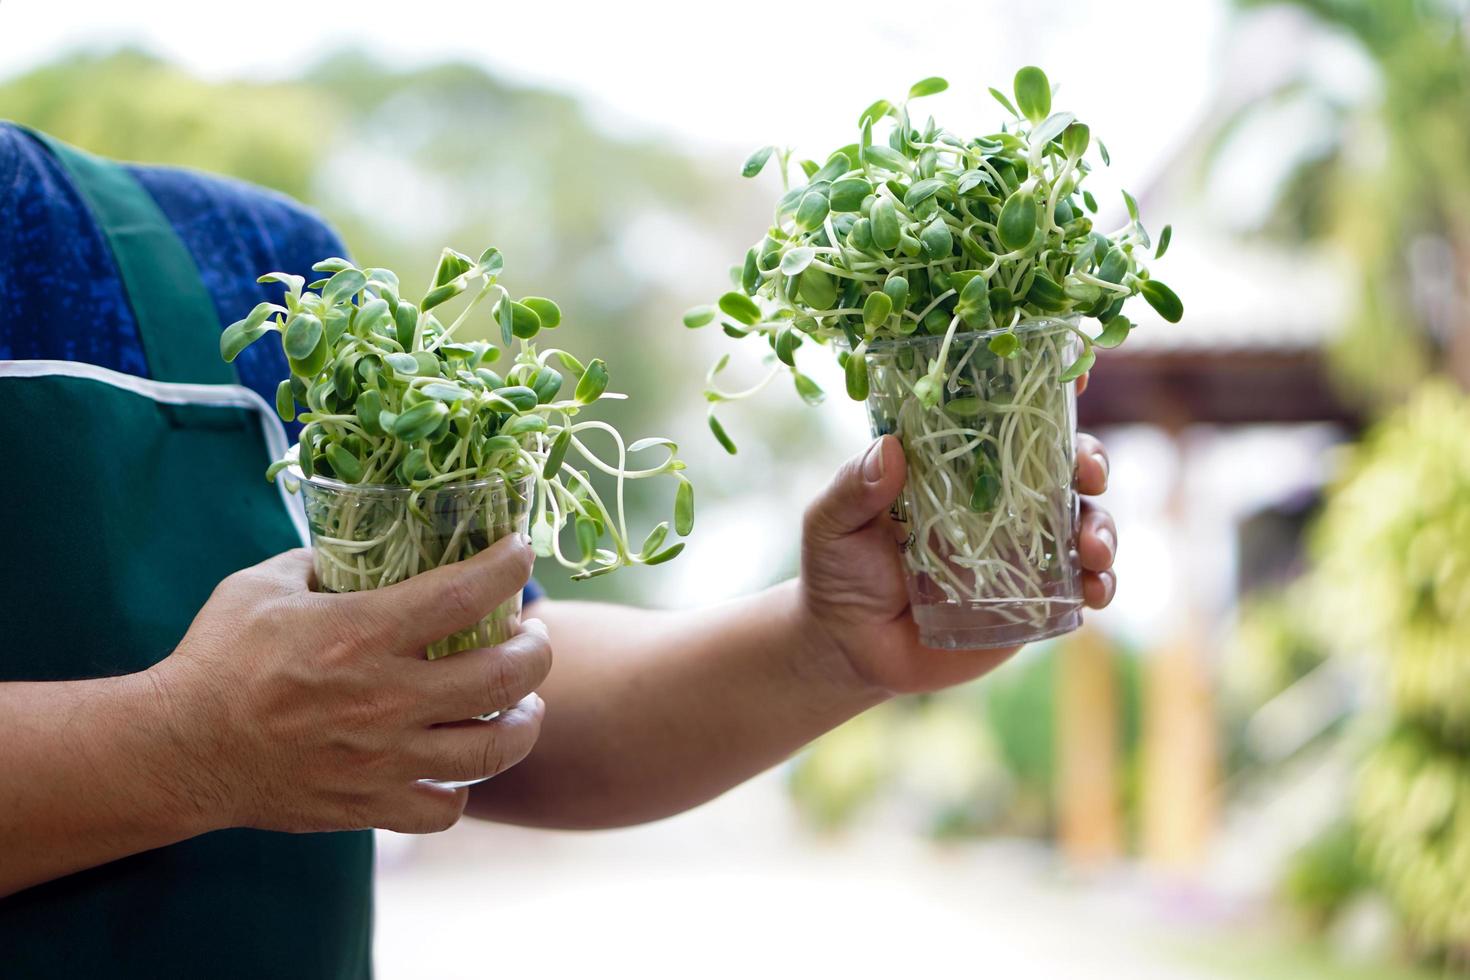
point(1380, 166)
point(1274, 716)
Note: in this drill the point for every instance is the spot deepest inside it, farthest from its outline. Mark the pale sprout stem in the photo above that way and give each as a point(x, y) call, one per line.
point(1002, 557)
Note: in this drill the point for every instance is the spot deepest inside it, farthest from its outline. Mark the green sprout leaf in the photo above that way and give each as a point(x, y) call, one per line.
point(1132, 206)
point(856, 374)
point(285, 401)
point(848, 194)
point(451, 266)
point(302, 336)
point(873, 113)
point(885, 224)
point(699, 316)
point(1004, 345)
point(293, 284)
point(684, 508)
point(740, 307)
point(1033, 93)
point(1114, 333)
point(547, 312)
point(877, 308)
point(986, 489)
point(1164, 238)
point(668, 554)
point(419, 421)
point(440, 295)
point(929, 86)
point(720, 435)
point(756, 162)
point(347, 466)
point(796, 260)
point(1017, 225)
point(524, 323)
point(1000, 97)
point(1163, 300)
point(343, 285)
point(242, 333)
point(655, 539)
point(593, 382)
point(1052, 127)
point(1075, 140)
point(809, 390)
point(1079, 367)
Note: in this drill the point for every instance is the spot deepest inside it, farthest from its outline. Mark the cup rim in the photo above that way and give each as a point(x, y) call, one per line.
point(1023, 328)
point(293, 471)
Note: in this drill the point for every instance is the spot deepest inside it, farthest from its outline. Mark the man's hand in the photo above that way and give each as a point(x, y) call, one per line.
point(852, 577)
point(301, 711)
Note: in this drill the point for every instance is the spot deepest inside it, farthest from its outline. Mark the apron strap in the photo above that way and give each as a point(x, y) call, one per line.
point(177, 321)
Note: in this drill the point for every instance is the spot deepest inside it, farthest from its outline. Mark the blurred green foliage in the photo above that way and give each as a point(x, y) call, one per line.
point(1390, 185)
point(976, 759)
point(1389, 589)
point(1326, 874)
point(403, 161)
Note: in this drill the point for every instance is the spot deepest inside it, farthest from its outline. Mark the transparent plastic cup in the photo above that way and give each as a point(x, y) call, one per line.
point(991, 515)
point(366, 536)
point(369, 536)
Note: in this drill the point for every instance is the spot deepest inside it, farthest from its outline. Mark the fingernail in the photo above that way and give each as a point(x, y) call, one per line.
point(873, 463)
point(1102, 462)
point(1105, 535)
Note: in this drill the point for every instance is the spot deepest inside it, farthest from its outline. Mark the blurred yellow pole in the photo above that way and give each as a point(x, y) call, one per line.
point(1180, 751)
point(1180, 765)
point(1090, 827)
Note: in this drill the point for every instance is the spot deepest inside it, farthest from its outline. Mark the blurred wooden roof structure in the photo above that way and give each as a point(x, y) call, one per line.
point(1220, 385)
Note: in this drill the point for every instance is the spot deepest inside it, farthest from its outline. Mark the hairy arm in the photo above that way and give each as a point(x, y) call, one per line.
point(650, 713)
point(281, 709)
point(89, 773)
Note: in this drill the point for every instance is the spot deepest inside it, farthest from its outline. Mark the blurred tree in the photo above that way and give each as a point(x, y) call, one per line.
point(132, 106)
point(618, 228)
point(1390, 183)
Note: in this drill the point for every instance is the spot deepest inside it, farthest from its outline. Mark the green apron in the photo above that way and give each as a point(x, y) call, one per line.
point(125, 500)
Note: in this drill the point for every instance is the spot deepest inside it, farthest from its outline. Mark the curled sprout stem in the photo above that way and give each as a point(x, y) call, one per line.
point(416, 450)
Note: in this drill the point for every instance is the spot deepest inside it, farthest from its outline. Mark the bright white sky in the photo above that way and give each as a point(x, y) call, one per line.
point(730, 75)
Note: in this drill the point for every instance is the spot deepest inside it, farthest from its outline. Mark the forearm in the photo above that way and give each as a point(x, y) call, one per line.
point(650, 713)
point(89, 772)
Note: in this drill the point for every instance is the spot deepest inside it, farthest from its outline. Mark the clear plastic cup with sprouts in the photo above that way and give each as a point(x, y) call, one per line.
point(991, 515)
point(369, 536)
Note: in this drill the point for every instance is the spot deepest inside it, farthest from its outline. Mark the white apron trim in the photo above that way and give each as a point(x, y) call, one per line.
point(175, 393)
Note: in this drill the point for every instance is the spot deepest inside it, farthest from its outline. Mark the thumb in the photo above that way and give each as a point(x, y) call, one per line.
point(863, 489)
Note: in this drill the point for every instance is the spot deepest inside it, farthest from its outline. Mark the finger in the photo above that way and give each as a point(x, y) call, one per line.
point(863, 489)
point(1098, 588)
point(1082, 383)
point(424, 808)
point(478, 749)
point(418, 611)
point(1097, 543)
point(477, 682)
point(1092, 465)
